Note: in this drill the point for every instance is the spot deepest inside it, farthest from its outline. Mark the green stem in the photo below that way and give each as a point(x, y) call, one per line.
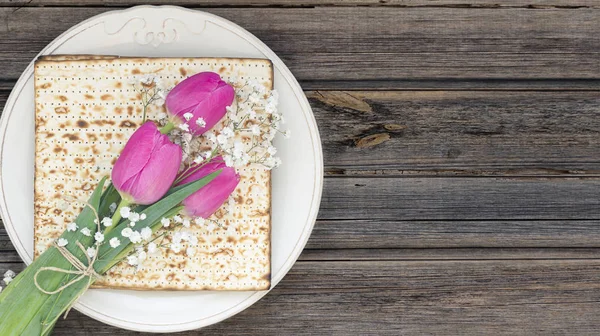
point(167, 128)
point(117, 215)
point(144, 114)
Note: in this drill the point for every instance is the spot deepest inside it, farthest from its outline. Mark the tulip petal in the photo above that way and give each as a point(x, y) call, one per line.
point(188, 93)
point(205, 96)
point(136, 154)
point(155, 179)
point(213, 108)
point(204, 202)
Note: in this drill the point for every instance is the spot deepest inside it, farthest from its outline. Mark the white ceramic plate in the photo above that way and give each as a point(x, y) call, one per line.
point(169, 31)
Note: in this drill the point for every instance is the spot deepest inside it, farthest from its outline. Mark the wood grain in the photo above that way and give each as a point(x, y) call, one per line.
point(448, 132)
point(417, 297)
point(531, 4)
point(330, 44)
point(460, 199)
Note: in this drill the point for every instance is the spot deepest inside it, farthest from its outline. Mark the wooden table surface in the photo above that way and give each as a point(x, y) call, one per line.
point(462, 162)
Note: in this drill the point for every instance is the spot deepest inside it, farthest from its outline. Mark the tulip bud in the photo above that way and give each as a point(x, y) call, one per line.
point(200, 101)
point(147, 166)
point(204, 202)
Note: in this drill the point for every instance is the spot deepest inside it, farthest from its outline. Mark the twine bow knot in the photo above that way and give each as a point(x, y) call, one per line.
point(81, 269)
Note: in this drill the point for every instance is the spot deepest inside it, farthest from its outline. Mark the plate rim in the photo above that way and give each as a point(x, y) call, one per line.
point(313, 132)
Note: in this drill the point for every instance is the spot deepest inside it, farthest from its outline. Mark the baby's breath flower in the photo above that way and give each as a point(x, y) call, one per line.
point(62, 242)
point(184, 127)
point(147, 79)
point(210, 136)
point(146, 233)
point(178, 219)
point(201, 122)
point(187, 116)
point(186, 223)
point(176, 247)
point(91, 252)
point(8, 276)
point(158, 101)
point(135, 237)
point(177, 237)
point(132, 260)
point(199, 220)
point(125, 211)
point(228, 160)
point(228, 132)
point(270, 109)
point(99, 237)
point(112, 207)
point(141, 256)
point(287, 134)
point(115, 242)
point(272, 150)
point(152, 248)
point(222, 139)
point(107, 221)
point(86, 232)
point(254, 98)
point(165, 222)
point(134, 217)
point(193, 239)
point(190, 251)
point(72, 227)
point(255, 130)
point(143, 216)
point(126, 232)
point(211, 227)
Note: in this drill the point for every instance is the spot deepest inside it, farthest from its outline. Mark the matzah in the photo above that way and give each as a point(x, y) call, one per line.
point(86, 109)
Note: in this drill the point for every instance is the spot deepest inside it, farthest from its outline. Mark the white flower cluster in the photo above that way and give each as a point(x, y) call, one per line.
point(253, 116)
point(178, 240)
point(132, 216)
point(8, 277)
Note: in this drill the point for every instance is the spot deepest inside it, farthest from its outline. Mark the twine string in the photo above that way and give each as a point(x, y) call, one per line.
point(81, 270)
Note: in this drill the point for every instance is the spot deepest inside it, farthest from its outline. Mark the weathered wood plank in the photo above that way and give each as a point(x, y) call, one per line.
point(416, 297)
point(532, 4)
point(347, 44)
point(344, 234)
point(449, 133)
point(406, 254)
point(460, 199)
point(464, 132)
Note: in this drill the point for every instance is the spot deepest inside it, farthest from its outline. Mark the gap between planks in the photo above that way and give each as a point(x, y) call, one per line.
point(472, 4)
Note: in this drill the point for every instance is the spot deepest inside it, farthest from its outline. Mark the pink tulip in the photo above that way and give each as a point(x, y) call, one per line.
point(204, 96)
point(147, 166)
point(209, 198)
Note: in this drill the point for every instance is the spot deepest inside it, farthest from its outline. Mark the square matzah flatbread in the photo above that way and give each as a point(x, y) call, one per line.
point(86, 109)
